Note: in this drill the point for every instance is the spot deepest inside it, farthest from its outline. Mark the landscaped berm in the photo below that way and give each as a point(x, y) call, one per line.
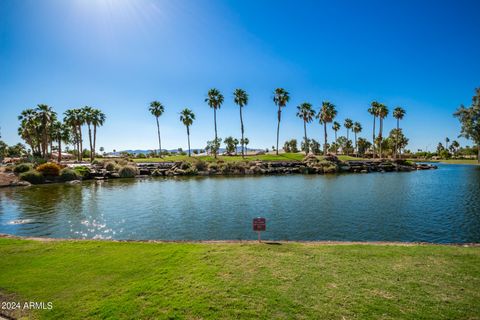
point(242, 280)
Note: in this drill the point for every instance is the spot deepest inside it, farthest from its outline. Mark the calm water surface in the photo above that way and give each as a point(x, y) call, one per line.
point(435, 206)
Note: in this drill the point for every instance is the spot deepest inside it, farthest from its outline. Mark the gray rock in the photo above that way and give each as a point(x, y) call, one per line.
point(74, 182)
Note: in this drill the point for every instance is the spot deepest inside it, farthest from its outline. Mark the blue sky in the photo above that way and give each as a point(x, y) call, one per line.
point(120, 55)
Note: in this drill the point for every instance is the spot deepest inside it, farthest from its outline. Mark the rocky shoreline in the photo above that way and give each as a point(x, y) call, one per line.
point(310, 165)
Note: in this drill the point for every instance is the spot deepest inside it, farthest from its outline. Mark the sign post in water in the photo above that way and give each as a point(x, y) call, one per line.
point(259, 225)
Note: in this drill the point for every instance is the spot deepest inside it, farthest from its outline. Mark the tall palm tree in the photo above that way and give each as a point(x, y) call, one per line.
point(398, 113)
point(75, 119)
point(373, 110)
point(61, 133)
point(215, 100)
point(240, 97)
point(336, 126)
point(280, 97)
point(306, 113)
point(186, 117)
point(30, 129)
point(98, 119)
point(447, 140)
point(356, 128)
point(348, 125)
point(245, 141)
point(326, 115)
point(157, 109)
point(88, 116)
point(382, 114)
point(46, 116)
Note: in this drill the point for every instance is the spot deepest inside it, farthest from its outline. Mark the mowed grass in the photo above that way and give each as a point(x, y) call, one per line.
point(112, 280)
point(465, 161)
point(238, 158)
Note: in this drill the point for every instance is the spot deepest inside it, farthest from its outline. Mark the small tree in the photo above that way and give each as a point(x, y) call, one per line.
point(470, 120)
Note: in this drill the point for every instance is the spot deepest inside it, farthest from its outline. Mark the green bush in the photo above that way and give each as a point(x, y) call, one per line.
point(22, 167)
point(32, 176)
point(49, 169)
point(9, 168)
point(68, 174)
point(127, 171)
point(200, 165)
point(83, 171)
point(109, 166)
point(185, 165)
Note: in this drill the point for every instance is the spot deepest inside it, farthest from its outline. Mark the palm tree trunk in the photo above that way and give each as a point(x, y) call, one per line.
point(278, 125)
point(215, 123)
point(188, 135)
point(241, 127)
point(325, 144)
point(347, 140)
point(59, 150)
point(307, 149)
point(81, 143)
point(373, 142)
point(336, 143)
point(94, 138)
point(380, 137)
point(396, 138)
point(159, 139)
point(356, 147)
point(90, 142)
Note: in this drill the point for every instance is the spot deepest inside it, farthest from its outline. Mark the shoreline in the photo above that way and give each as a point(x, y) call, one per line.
point(271, 242)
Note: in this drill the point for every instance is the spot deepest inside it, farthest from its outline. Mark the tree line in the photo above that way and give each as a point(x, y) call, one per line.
point(305, 111)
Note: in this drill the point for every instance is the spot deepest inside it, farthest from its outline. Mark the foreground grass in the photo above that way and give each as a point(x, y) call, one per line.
point(475, 162)
point(263, 157)
point(90, 280)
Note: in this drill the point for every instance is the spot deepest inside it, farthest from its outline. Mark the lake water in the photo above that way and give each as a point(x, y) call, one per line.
point(440, 206)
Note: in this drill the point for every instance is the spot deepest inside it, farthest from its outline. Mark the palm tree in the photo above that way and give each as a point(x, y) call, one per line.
point(157, 109)
point(382, 114)
point(455, 145)
point(356, 128)
point(241, 100)
point(306, 113)
point(214, 100)
point(348, 125)
point(46, 116)
point(336, 126)
point(280, 97)
point(75, 119)
point(398, 113)
point(88, 116)
point(447, 140)
point(245, 141)
point(98, 119)
point(373, 110)
point(326, 115)
point(30, 130)
point(62, 133)
point(186, 117)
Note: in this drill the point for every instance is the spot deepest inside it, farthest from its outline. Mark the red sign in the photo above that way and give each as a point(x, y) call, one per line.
point(259, 224)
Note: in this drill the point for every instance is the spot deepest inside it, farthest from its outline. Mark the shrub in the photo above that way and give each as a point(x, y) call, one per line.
point(49, 169)
point(32, 176)
point(191, 171)
point(212, 166)
point(109, 166)
point(200, 165)
point(96, 161)
point(82, 171)
point(23, 167)
point(9, 168)
point(127, 171)
point(68, 174)
point(185, 165)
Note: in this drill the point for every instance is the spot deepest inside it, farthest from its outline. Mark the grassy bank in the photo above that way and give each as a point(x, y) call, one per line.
point(88, 279)
point(263, 157)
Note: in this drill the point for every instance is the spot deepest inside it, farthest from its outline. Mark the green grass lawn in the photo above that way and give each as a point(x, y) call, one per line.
point(264, 157)
point(111, 280)
point(475, 162)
